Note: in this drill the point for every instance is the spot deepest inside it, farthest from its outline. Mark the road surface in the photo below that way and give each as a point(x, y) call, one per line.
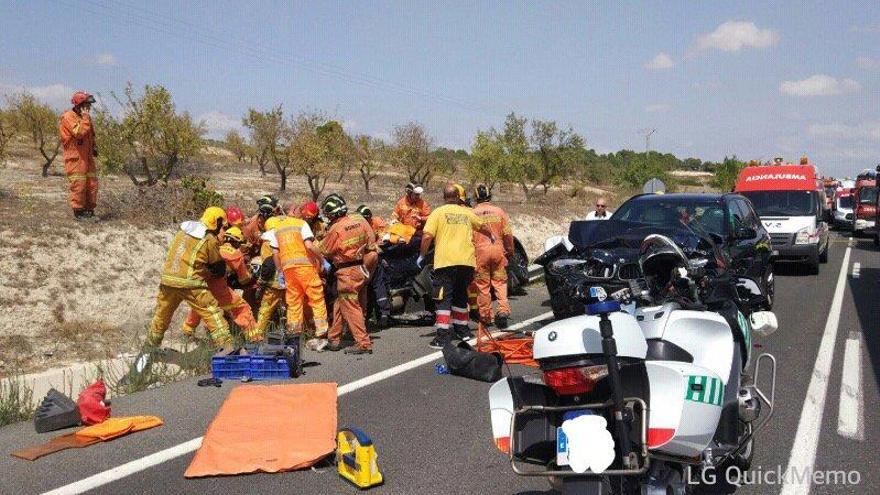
point(432, 431)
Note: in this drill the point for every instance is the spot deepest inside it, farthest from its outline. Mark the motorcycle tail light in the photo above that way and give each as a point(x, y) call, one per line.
point(503, 444)
point(576, 380)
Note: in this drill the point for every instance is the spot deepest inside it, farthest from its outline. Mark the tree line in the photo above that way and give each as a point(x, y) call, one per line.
point(143, 135)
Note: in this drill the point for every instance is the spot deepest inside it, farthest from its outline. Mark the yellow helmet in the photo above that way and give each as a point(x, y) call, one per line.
point(462, 195)
point(235, 234)
point(272, 223)
point(213, 215)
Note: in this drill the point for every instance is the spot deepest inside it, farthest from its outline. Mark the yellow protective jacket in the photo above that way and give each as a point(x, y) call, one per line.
point(193, 257)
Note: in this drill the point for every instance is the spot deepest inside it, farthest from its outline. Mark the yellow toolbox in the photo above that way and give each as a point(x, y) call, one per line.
point(356, 458)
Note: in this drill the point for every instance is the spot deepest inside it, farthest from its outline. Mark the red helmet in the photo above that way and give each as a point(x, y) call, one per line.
point(234, 215)
point(81, 97)
point(309, 210)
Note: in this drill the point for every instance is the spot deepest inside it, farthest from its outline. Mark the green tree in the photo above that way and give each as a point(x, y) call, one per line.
point(7, 133)
point(486, 162)
point(39, 122)
point(317, 149)
point(726, 173)
point(266, 130)
point(237, 145)
point(368, 153)
point(151, 139)
point(412, 152)
point(637, 170)
point(519, 164)
point(556, 151)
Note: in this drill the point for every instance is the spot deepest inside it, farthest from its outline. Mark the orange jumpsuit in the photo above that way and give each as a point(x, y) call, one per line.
point(347, 241)
point(379, 225)
point(301, 277)
point(252, 229)
point(491, 270)
point(412, 213)
point(230, 302)
point(78, 140)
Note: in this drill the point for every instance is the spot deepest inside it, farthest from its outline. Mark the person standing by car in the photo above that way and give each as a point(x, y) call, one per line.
point(491, 270)
point(78, 141)
point(412, 209)
point(601, 212)
point(450, 228)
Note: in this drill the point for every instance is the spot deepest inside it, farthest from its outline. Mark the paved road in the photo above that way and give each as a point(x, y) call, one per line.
point(432, 431)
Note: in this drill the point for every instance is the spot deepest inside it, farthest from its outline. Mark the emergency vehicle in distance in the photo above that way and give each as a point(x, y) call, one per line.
point(865, 202)
point(790, 201)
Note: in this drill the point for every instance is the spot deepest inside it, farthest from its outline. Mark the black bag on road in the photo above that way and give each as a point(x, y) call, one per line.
point(464, 360)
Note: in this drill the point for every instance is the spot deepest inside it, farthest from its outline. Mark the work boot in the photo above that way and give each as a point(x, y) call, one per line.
point(79, 215)
point(463, 332)
point(334, 347)
point(438, 343)
point(358, 350)
point(501, 320)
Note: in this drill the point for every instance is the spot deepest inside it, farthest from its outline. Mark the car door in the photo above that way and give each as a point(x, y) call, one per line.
point(742, 248)
point(762, 246)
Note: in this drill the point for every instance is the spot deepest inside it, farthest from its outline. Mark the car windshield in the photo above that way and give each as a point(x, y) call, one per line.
point(702, 215)
point(845, 202)
point(868, 195)
point(783, 203)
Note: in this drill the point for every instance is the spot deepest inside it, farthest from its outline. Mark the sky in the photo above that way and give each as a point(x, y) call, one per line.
point(754, 79)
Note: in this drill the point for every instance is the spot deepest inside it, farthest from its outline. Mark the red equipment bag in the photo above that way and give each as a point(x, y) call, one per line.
point(91, 404)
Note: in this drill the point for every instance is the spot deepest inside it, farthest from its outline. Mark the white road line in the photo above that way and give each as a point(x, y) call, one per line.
point(850, 416)
point(168, 454)
point(857, 270)
point(806, 440)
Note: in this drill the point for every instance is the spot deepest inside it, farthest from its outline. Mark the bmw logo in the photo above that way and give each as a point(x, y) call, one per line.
point(552, 336)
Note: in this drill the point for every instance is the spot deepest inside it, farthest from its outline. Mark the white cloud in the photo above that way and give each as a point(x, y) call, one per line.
point(733, 36)
point(105, 59)
point(55, 95)
point(871, 28)
point(868, 63)
point(864, 131)
point(658, 107)
point(819, 85)
point(217, 124)
point(660, 61)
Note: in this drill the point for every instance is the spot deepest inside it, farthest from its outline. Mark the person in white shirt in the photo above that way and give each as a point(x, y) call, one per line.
point(601, 212)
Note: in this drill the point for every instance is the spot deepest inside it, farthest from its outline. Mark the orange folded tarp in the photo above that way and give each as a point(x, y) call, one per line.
point(513, 350)
point(269, 428)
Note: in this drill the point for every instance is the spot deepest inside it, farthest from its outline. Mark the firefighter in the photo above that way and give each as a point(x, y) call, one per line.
point(450, 229)
point(492, 259)
point(252, 229)
point(270, 291)
point(411, 209)
point(230, 302)
point(348, 239)
point(295, 254)
point(78, 141)
point(379, 302)
point(308, 211)
point(193, 260)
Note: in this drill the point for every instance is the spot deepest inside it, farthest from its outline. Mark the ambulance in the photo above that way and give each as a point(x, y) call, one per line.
point(790, 201)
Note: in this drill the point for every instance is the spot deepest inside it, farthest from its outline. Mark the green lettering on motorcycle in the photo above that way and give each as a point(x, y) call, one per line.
point(704, 389)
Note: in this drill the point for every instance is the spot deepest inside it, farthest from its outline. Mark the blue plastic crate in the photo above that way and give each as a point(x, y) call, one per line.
point(269, 368)
point(232, 367)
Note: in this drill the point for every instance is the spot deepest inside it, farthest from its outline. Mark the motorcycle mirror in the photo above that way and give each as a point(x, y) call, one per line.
point(764, 323)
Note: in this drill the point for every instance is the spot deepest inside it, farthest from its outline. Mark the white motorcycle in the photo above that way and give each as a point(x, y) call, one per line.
point(667, 377)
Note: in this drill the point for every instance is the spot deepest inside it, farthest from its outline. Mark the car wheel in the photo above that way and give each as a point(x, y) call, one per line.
point(877, 239)
point(813, 268)
point(823, 256)
point(769, 288)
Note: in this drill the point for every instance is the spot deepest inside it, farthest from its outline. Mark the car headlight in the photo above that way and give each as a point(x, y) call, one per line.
point(804, 236)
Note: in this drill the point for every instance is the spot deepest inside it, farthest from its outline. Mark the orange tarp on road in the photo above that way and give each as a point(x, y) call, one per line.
point(269, 428)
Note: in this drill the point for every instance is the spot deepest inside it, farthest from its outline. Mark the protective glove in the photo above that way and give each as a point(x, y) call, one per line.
point(420, 261)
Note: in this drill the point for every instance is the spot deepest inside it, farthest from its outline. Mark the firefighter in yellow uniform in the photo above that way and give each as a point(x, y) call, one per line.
point(295, 253)
point(193, 259)
point(272, 290)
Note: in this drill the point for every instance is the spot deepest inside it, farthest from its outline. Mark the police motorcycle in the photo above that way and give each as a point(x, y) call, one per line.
point(647, 400)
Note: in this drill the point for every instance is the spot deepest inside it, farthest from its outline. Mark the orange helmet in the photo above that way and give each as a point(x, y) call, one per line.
point(234, 215)
point(81, 97)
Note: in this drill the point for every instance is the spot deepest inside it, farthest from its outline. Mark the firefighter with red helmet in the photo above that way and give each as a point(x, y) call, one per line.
point(78, 142)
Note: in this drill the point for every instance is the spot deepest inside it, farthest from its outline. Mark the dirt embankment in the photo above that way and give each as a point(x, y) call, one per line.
point(73, 291)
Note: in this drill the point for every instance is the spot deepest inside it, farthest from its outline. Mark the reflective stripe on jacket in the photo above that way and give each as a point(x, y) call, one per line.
point(186, 265)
